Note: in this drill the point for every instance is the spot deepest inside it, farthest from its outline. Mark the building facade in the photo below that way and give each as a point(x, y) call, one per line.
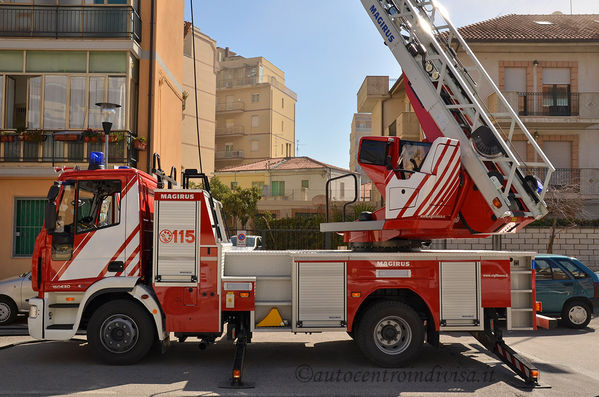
point(206, 58)
point(361, 126)
point(255, 111)
point(291, 186)
point(58, 59)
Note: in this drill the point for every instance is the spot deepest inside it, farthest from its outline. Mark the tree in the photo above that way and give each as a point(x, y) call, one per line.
point(566, 209)
point(239, 204)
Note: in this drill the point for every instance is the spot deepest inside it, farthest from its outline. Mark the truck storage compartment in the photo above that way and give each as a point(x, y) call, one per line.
point(321, 295)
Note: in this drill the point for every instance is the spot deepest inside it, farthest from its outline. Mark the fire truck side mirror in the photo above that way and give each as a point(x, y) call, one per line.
point(50, 214)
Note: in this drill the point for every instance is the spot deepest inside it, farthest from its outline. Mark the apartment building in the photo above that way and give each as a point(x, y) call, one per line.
point(291, 186)
point(206, 59)
point(58, 58)
point(546, 66)
point(255, 111)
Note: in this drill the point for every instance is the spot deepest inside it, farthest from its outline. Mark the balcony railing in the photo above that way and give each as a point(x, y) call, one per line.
point(547, 104)
point(232, 83)
point(237, 106)
point(231, 131)
point(69, 21)
point(582, 180)
point(230, 155)
point(51, 148)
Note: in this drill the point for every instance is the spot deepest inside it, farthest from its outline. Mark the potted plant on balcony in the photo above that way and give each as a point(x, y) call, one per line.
point(90, 135)
point(7, 136)
point(66, 136)
point(139, 143)
point(114, 137)
point(36, 135)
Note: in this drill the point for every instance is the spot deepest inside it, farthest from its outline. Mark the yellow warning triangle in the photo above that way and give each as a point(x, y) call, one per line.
point(272, 319)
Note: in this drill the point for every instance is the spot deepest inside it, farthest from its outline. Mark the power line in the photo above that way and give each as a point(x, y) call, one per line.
point(195, 86)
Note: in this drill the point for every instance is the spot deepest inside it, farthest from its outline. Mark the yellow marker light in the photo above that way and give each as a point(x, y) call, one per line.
point(497, 202)
point(539, 306)
point(236, 374)
point(534, 374)
point(70, 299)
point(244, 294)
point(356, 294)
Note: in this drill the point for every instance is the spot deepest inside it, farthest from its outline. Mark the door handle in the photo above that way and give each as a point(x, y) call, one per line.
point(116, 266)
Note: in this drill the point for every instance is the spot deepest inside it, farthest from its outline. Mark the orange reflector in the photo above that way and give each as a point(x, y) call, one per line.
point(70, 299)
point(244, 294)
point(534, 373)
point(236, 373)
point(497, 202)
point(539, 306)
point(356, 294)
point(155, 311)
point(145, 296)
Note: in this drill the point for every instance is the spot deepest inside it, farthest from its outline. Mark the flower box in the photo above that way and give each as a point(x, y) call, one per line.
point(67, 137)
point(8, 138)
point(139, 145)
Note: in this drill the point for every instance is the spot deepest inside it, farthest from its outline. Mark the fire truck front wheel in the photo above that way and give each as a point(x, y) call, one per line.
point(390, 333)
point(120, 332)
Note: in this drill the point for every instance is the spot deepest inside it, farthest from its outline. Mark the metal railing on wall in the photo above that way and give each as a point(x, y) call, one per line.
point(69, 21)
point(65, 147)
point(548, 104)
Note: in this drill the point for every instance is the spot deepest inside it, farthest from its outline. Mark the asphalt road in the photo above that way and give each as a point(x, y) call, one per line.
point(319, 364)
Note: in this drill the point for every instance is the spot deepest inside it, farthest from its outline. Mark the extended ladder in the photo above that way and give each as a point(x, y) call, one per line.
point(425, 43)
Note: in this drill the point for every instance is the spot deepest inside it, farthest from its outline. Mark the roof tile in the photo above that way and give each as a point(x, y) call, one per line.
point(552, 27)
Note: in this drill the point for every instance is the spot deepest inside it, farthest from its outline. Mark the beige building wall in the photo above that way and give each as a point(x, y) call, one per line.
point(361, 126)
point(24, 179)
point(206, 70)
point(255, 111)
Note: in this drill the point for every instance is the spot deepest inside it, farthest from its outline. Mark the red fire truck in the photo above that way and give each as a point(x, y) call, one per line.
point(131, 262)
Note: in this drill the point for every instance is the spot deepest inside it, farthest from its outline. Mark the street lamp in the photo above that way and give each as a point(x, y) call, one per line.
point(108, 111)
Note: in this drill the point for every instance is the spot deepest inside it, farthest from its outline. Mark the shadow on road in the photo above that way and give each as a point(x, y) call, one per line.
point(277, 368)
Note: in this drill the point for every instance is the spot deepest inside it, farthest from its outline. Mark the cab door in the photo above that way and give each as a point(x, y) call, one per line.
point(90, 236)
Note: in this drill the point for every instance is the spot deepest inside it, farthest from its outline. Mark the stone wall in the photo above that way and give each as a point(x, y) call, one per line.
point(582, 243)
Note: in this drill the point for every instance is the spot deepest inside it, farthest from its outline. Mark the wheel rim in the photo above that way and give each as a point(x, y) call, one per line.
point(4, 312)
point(577, 314)
point(392, 335)
point(119, 333)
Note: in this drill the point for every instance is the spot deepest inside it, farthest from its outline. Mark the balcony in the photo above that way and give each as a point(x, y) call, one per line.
point(231, 107)
point(230, 131)
point(235, 83)
point(547, 104)
point(583, 180)
point(69, 21)
point(226, 155)
point(60, 148)
point(373, 89)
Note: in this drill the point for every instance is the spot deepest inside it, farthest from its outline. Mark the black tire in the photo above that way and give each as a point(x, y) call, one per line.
point(121, 332)
point(8, 310)
point(576, 314)
point(390, 333)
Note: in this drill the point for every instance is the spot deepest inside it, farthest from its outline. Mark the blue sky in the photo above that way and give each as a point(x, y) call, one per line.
point(327, 47)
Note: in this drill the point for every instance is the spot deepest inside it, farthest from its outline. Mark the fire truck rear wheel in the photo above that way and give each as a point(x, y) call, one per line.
point(390, 333)
point(120, 332)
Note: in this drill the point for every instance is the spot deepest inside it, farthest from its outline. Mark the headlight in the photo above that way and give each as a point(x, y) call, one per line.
point(33, 312)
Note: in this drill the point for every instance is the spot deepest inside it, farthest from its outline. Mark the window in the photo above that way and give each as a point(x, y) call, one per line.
point(305, 183)
point(57, 61)
point(55, 99)
point(558, 273)
point(254, 146)
point(64, 219)
point(278, 188)
point(572, 268)
point(35, 100)
point(282, 127)
point(342, 190)
point(282, 103)
point(107, 62)
point(233, 185)
point(259, 186)
point(77, 99)
point(29, 218)
point(255, 121)
point(542, 270)
point(255, 98)
point(515, 79)
point(98, 205)
point(96, 94)
point(117, 93)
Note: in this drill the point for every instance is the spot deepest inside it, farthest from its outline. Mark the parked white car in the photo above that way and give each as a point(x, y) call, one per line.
point(14, 297)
